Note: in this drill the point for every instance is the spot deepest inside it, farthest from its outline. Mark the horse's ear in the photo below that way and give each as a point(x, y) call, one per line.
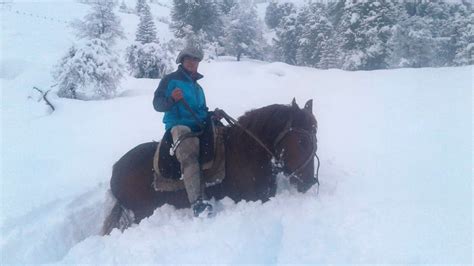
point(309, 106)
point(294, 104)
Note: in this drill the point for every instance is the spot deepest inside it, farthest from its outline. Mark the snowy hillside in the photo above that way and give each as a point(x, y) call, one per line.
point(395, 149)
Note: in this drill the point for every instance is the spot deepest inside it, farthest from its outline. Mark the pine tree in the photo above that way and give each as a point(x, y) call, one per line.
point(89, 71)
point(196, 16)
point(436, 15)
point(412, 44)
point(364, 29)
point(315, 32)
point(139, 6)
point(147, 58)
point(101, 23)
point(243, 31)
point(275, 12)
point(123, 7)
point(463, 39)
point(287, 36)
point(329, 54)
point(271, 18)
point(92, 70)
point(226, 6)
point(146, 32)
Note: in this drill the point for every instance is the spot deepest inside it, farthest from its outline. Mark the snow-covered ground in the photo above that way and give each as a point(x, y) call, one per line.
point(395, 149)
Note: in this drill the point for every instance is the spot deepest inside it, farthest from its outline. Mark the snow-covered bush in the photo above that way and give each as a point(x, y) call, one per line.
point(149, 60)
point(89, 71)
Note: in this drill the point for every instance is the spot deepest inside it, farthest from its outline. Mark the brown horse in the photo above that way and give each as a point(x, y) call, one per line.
point(288, 134)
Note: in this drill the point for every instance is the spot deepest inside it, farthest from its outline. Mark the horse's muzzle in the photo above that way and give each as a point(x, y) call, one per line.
point(303, 185)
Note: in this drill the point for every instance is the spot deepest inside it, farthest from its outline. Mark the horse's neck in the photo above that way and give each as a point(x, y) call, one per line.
point(239, 140)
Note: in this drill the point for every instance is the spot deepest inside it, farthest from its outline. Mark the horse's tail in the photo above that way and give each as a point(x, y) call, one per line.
point(119, 217)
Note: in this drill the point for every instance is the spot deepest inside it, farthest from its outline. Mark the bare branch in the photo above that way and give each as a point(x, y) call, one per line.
point(45, 98)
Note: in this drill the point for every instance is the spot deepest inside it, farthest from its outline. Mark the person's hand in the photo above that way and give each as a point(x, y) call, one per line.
point(218, 114)
point(177, 94)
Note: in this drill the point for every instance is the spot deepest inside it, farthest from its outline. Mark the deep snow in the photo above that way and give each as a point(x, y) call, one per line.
point(395, 149)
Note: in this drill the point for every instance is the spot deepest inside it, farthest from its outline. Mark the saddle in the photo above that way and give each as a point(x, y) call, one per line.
point(167, 169)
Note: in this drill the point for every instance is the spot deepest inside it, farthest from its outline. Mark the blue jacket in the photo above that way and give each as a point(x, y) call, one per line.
point(175, 112)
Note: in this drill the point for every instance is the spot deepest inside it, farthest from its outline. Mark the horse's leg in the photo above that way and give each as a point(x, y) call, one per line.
point(265, 186)
point(119, 218)
point(248, 175)
point(132, 179)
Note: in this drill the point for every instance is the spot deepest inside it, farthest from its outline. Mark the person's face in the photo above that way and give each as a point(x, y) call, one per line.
point(191, 64)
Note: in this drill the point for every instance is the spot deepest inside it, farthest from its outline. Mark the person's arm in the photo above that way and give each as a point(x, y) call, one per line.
point(161, 103)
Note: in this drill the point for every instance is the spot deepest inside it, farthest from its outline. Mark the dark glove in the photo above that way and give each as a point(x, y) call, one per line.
point(218, 114)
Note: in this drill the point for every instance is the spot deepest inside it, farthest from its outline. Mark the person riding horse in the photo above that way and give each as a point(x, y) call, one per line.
point(184, 103)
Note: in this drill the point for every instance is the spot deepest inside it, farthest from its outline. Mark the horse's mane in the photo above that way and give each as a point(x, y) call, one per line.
point(274, 116)
point(269, 121)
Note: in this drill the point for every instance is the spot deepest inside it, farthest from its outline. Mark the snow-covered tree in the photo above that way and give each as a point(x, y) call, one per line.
point(88, 71)
point(148, 60)
point(287, 36)
point(227, 5)
point(244, 34)
point(446, 21)
point(125, 9)
point(101, 23)
point(329, 54)
point(412, 44)
point(139, 6)
point(365, 28)
point(91, 70)
point(436, 14)
point(463, 42)
point(276, 11)
point(196, 16)
point(146, 32)
point(376, 34)
point(315, 33)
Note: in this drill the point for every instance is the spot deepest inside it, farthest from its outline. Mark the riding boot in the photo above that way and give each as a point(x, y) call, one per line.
point(202, 208)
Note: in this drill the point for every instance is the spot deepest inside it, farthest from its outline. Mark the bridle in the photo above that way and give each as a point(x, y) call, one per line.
point(277, 160)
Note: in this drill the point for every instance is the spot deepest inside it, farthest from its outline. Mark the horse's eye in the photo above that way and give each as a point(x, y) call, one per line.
point(302, 142)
